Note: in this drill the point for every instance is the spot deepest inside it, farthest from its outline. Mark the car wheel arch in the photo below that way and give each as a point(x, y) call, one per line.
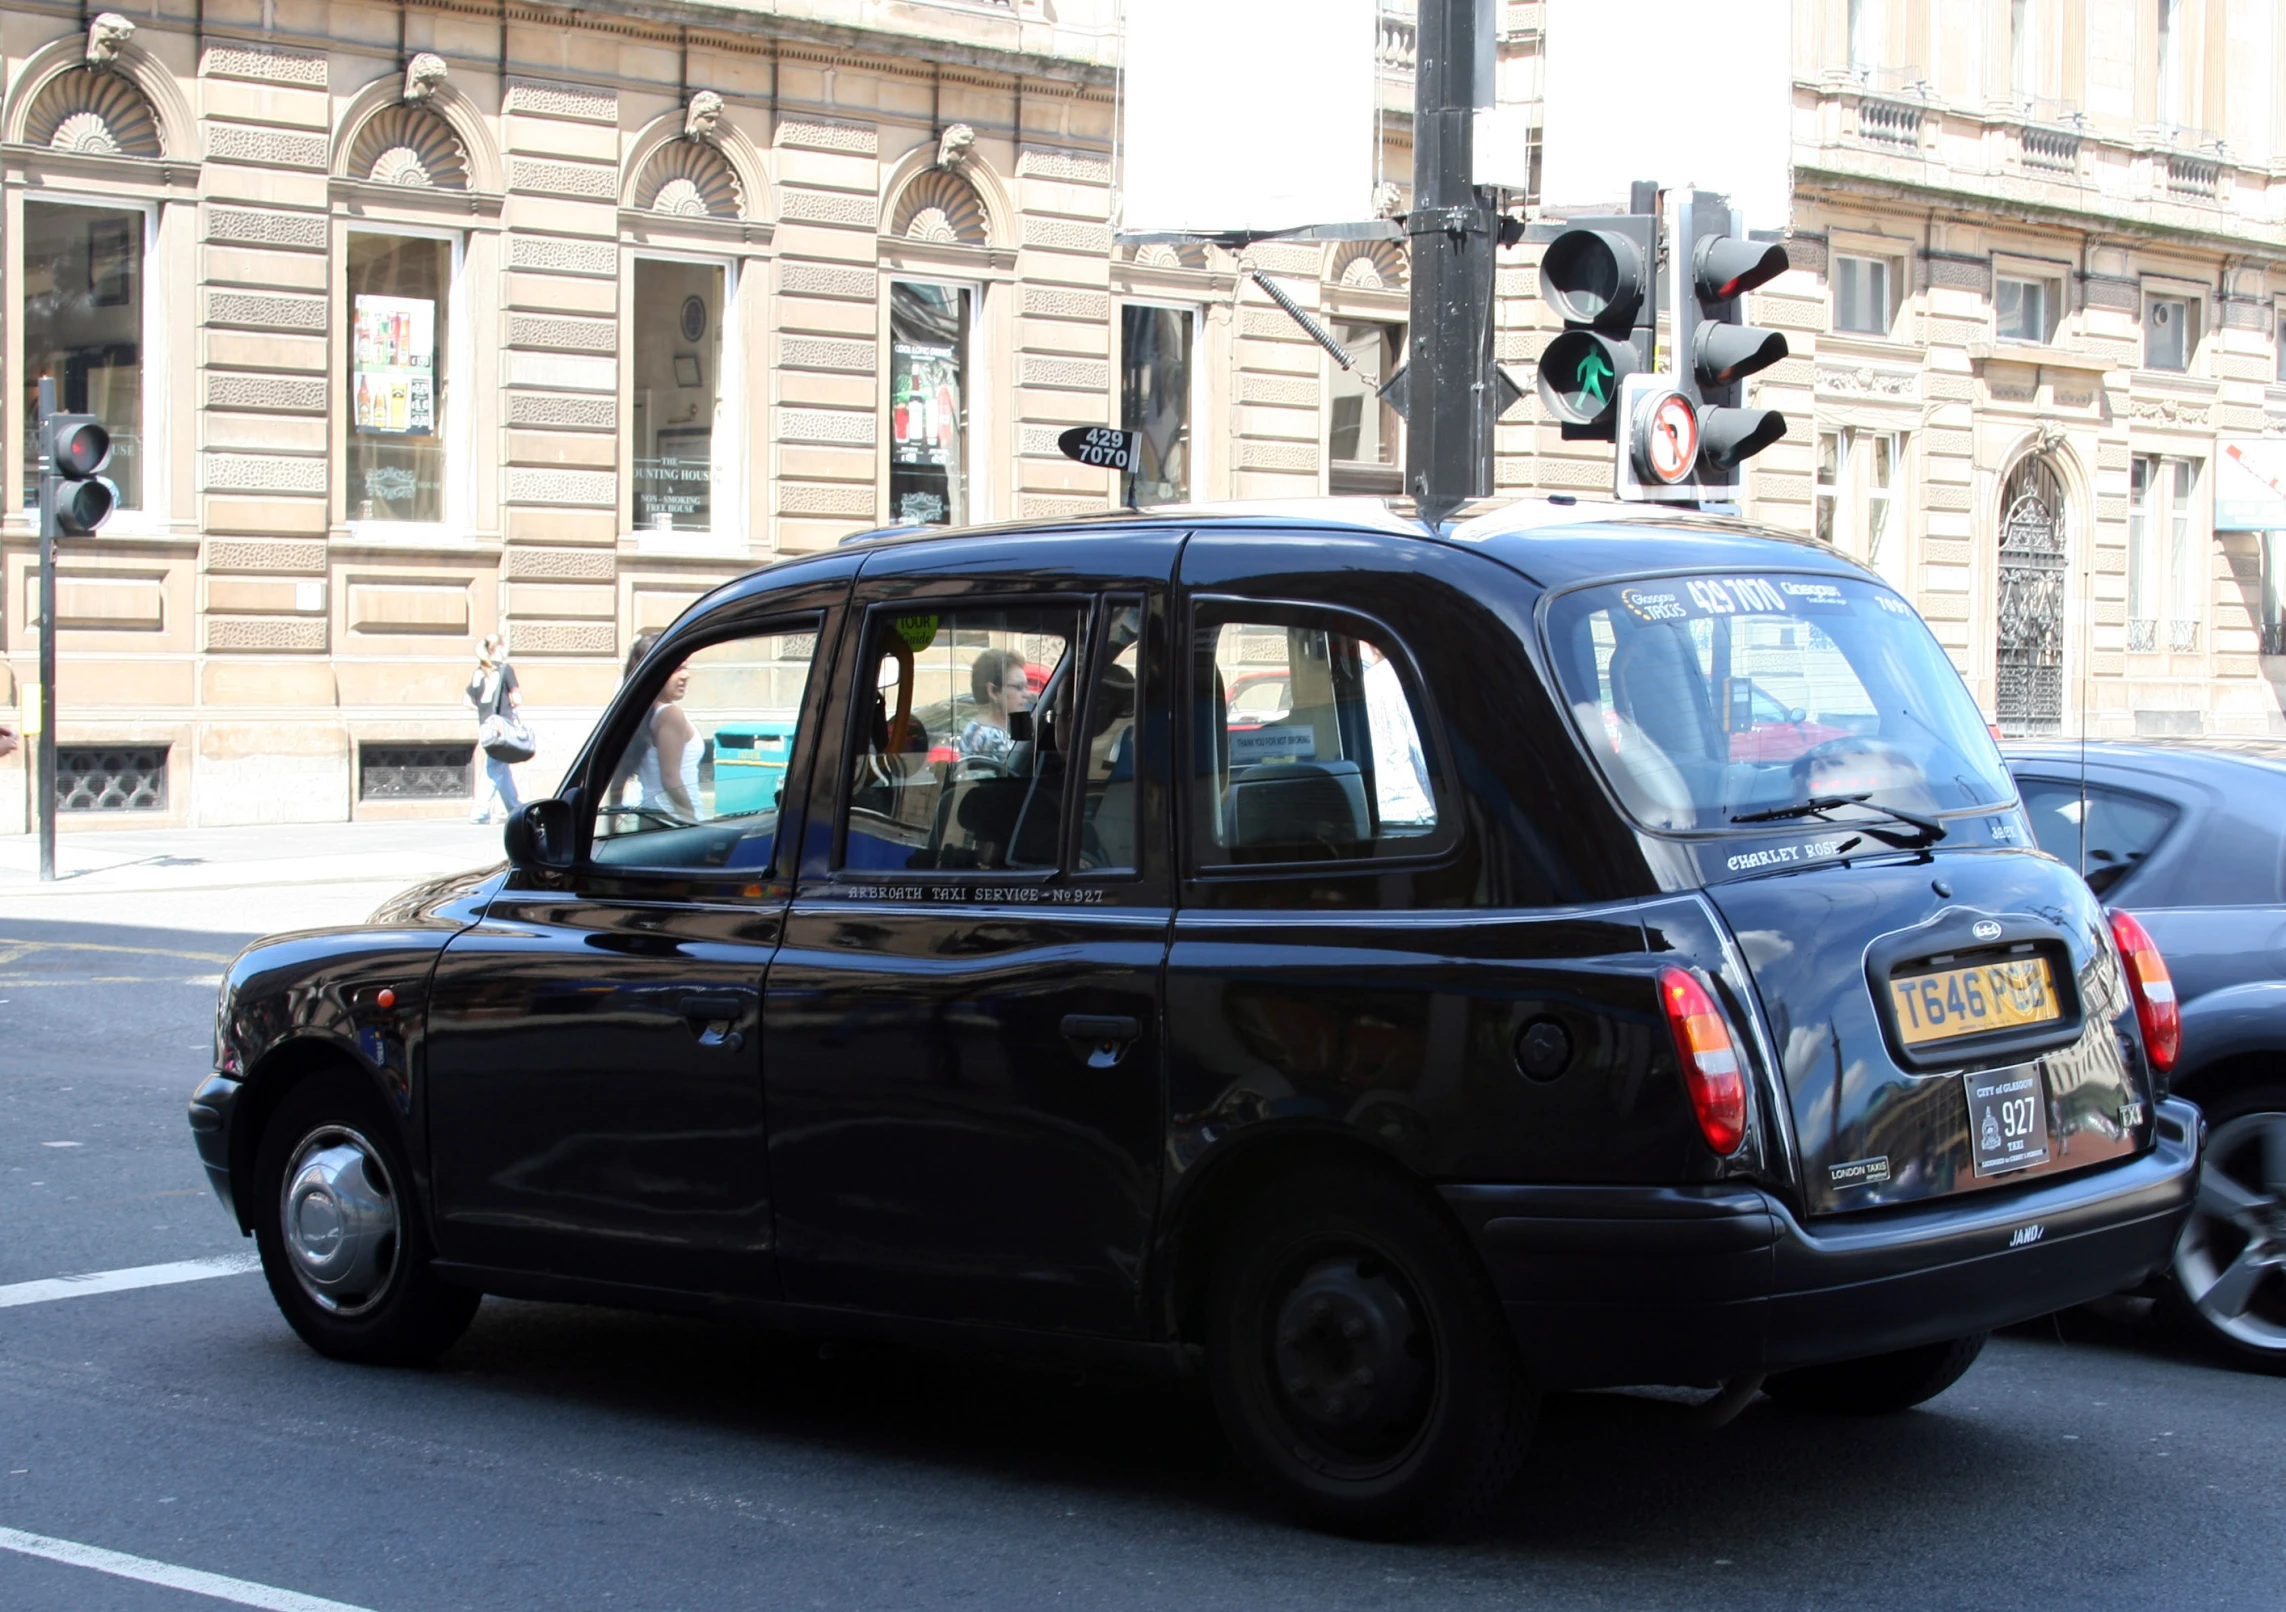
point(281, 1069)
point(1214, 1192)
point(2216, 1081)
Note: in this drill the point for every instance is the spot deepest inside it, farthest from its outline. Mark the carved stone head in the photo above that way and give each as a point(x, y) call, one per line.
point(956, 145)
point(105, 35)
point(702, 120)
point(422, 76)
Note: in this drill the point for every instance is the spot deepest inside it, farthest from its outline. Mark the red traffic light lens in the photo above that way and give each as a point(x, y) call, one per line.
point(78, 446)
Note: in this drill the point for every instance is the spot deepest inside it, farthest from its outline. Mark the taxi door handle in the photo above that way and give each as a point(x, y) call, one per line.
point(1100, 1040)
point(713, 1019)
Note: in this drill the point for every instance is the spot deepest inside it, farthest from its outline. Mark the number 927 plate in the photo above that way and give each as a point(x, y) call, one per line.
point(2008, 1118)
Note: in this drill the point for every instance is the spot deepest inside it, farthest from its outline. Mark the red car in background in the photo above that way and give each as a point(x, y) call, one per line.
point(1761, 729)
point(1257, 699)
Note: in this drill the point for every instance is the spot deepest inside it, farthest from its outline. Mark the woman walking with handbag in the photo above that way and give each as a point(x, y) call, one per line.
point(500, 732)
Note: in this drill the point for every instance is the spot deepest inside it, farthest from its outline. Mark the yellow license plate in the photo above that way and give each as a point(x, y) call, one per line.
point(1970, 1001)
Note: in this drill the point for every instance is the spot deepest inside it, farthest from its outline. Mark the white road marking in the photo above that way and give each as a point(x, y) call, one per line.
point(62, 1144)
point(241, 1591)
point(74, 1287)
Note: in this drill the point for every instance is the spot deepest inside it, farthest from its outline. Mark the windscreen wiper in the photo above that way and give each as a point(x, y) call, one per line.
point(1925, 830)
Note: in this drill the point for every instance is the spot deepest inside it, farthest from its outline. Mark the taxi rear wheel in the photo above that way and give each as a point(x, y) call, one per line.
point(1361, 1366)
point(344, 1246)
point(1878, 1384)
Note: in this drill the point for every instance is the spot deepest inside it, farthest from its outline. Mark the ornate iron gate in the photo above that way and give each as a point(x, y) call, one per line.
point(2030, 666)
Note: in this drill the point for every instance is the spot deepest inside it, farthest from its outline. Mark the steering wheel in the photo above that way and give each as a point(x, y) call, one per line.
point(987, 766)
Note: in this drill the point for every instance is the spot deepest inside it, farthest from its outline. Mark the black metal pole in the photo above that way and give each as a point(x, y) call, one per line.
point(44, 787)
point(1448, 403)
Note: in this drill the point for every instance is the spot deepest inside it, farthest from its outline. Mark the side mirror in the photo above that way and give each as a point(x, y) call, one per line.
point(540, 835)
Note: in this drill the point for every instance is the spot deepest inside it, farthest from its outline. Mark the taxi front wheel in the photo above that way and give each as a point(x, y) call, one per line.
point(344, 1245)
point(1360, 1363)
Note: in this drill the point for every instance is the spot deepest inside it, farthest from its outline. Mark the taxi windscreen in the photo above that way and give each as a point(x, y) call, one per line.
point(1715, 699)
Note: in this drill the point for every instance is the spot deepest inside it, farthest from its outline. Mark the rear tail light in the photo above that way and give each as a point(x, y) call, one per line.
point(1710, 1063)
point(2154, 990)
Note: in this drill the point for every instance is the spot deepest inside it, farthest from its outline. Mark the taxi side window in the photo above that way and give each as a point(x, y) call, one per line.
point(1114, 743)
point(1310, 740)
point(964, 735)
point(698, 782)
point(2105, 833)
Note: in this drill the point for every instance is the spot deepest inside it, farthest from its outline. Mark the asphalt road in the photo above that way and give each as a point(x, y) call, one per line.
point(566, 1458)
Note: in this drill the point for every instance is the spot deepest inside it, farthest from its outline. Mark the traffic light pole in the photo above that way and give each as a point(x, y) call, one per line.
point(1450, 404)
point(44, 787)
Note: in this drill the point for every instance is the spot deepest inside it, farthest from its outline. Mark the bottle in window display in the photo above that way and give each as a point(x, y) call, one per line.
point(901, 421)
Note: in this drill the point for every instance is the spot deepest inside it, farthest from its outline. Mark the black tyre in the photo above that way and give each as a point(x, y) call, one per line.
point(1878, 1384)
point(2228, 1274)
point(344, 1245)
point(1362, 1368)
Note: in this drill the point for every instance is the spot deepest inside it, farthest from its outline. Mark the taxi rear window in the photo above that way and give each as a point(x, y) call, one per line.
point(1711, 701)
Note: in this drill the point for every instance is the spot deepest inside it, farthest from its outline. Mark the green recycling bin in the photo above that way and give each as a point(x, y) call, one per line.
point(750, 766)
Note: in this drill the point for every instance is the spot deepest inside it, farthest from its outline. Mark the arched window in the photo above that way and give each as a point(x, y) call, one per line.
point(83, 266)
point(2029, 664)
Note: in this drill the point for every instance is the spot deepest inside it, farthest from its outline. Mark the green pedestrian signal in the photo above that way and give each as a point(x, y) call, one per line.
point(1597, 279)
point(1595, 377)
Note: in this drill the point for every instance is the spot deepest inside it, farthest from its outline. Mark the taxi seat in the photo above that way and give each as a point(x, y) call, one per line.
point(1303, 806)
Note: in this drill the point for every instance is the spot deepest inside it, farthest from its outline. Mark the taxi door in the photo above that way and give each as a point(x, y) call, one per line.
point(961, 1029)
point(593, 1071)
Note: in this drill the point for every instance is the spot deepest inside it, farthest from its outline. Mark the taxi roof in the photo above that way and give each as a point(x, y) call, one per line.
point(1555, 540)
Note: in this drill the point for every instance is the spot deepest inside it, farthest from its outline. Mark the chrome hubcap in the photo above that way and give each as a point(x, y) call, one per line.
point(2231, 1259)
point(338, 1213)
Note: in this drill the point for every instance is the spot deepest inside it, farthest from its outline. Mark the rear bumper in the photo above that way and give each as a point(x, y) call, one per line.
point(212, 1108)
point(1608, 1285)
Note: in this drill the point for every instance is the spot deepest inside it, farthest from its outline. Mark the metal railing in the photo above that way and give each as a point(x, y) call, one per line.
point(2182, 636)
point(2142, 633)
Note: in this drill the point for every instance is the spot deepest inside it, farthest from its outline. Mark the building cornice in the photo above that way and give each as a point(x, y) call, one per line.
point(679, 23)
point(1821, 181)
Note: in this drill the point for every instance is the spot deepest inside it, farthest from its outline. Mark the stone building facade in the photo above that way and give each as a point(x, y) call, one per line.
point(417, 322)
point(2038, 288)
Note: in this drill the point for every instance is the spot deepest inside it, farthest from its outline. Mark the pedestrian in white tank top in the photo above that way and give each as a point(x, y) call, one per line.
point(669, 770)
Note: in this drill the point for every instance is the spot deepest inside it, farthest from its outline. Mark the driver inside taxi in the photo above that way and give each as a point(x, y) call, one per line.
point(996, 678)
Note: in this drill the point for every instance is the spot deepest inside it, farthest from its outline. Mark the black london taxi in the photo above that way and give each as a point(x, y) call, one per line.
point(1616, 954)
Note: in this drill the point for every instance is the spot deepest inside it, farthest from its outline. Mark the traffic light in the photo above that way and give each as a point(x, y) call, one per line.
point(75, 496)
point(1714, 266)
point(1599, 277)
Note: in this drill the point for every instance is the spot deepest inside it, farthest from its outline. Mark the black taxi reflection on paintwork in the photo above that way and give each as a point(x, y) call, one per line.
point(1617, 955)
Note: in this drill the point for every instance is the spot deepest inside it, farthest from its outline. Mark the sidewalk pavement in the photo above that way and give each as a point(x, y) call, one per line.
point(257, 880)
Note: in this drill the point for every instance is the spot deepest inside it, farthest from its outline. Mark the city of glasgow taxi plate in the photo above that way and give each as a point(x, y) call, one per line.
point(2008, 1118)
point(1969, 1001)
